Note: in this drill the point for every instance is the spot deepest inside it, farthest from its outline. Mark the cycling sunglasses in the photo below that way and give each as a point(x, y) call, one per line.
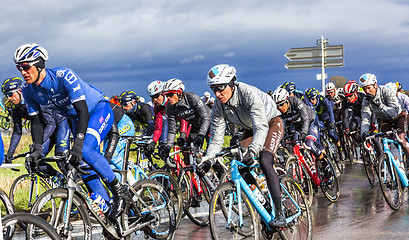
point(170, 94)
point(281, 103)
point(219, 88)
point(155, 96)
point(9, 94)
point(25, 66)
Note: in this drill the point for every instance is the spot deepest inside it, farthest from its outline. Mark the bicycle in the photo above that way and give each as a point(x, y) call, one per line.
point(308, 172)
point(370, 160)
point(331, 150)
point(68, 209)
point(234, 205)
point(391, 169)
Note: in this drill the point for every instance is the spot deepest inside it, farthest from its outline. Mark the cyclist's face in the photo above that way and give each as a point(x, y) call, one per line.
point(16, 97)
point(128, 105)
point(370, 89)
point(29, 75)
point(225, 95)
point(331, 93)
point(158, 100)
point(351, 98)
point(173, 98)
point(313, 101)
point(283, 108)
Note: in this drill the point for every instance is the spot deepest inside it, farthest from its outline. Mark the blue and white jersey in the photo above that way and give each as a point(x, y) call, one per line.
point(60, 88)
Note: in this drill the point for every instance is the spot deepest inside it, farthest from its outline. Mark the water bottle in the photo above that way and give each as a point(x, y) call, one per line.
point(258, 194)
point(262, 183)
point(97, 199)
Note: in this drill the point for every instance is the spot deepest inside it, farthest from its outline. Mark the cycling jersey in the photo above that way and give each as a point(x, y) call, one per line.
point(143, 114)
point(299, 114)
point(323, 108)
point(191, 109)
point(160, 132)
point(405, 101)
point(337, 100)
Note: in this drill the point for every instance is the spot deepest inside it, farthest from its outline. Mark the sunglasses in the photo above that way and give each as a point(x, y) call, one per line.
point(9, 94)
point(281, 103)
point(170, 94)
point(125, 103)
point(25, 67)
point(218, 88)
point(155, 96)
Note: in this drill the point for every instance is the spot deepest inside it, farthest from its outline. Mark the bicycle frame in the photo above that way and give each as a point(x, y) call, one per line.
point(303, 164)
point(394, 161)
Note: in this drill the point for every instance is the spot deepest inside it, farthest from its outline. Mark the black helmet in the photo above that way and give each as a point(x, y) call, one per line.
point(11, 84)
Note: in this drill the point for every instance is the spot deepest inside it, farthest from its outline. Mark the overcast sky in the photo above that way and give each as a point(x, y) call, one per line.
point(124, 45)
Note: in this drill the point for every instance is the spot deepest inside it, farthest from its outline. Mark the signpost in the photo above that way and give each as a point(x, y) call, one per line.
point(323, 56)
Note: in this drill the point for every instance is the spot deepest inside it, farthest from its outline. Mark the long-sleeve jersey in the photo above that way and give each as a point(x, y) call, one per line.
point(143, 114)
point(323, 109)
point(191, 109)
point(299, 114)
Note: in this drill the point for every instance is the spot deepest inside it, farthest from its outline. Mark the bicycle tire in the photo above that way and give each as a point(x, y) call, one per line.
point(20, 195)
point(198, 214)
point(391, 189)
point(219, 214)
point(4, 123)
point(293, 171)
point(301, 227)
point(349, 149)
point(154, 195)
point(330, 186)
point(50, 206)
point(7, 206)
point(369, 166)
point(172, 187)
point(9, 225)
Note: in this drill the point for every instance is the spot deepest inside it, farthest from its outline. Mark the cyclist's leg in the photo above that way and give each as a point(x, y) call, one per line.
point(313, 140)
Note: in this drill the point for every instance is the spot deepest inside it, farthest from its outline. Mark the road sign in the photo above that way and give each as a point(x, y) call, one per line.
point(314, 53)
point(314, 64)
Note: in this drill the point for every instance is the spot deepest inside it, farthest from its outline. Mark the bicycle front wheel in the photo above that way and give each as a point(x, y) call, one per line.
point(370, 169)
point(51, 206)
point(293, 170)
point(25, 190)
point(390, 183)
point(225, 215)
point(330, 186)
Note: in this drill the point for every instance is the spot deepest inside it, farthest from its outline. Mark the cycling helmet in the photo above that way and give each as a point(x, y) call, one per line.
point(350, 88)
point(174, 85)
point(290, 87)
point(398, 86)
point(367, 79)
point(392, 86)
point(221, 74)
point(155, 87)
point(29, 53)
point(127, 96)
point(280, 95)
point(311, 93)
point(141, 99)
point(207, 94)
point(330, 87)
point(11, 84)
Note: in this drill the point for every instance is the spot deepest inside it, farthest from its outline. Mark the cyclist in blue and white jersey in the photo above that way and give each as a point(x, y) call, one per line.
point(63, 91)
point(293, 92)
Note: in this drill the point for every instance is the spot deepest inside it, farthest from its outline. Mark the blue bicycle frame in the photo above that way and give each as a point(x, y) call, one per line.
point(394, 162)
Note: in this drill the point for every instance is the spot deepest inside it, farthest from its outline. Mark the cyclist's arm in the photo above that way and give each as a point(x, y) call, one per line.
point(172, 127)
point(304, 116)
point(83, 118)
point(345, 117)
point(202, 112)
point(330, 110)
point(16, 135)
point(158, 124)
point(50, 124)
point(392, 105)
point(366, 113)
point(147, 113)
point(217, 130)
point(37, 130)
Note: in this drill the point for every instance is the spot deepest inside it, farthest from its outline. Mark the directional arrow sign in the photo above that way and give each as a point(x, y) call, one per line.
point(314, 53)
point(314, 64)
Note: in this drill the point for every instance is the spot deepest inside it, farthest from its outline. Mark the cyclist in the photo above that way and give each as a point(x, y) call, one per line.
point(91, 116)
point(323, 109)
point(138, 111)
point(255, 110)
point(401, 96)
point(56, 129)
point(336, 97)
point(187, 106)
point(293, 92)
point(159, 101)
point(385, 104)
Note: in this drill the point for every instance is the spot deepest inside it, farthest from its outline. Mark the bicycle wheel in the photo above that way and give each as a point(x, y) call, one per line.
point(5, 204)
point(25, 190)
point(11, 227)
point(172, 187)
point(4, 123)
point(292, 196)
point(224, 215)
point(390, 183)
point(329, 186)
point(293, 171)
point(197, 206)
point(349, 149)
point(370, 169)
point(51, 205)
point(152, 202)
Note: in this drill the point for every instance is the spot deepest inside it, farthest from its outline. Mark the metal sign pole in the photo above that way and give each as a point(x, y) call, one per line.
point(322, 65)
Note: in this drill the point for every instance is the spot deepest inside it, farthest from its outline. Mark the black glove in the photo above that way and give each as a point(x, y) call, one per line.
point(35, 155)
point(363, 136)
point(303, 137)
point(235, 139)
point(332, 125)
point(164, 151)
point(248, 159)
point(203, 168)
point(181, 141)
point(198, 142)
point(75, 155)
point(7, 158)
point(150, 148)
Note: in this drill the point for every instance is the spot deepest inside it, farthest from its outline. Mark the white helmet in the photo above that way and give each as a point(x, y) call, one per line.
point(175, 85)
point(207, 94)
point(280, 95)
point(220, 74)
point(155, 87)
point(367, 79)
point(29, 53)
point(329, 87)
point(392, 86)
point(142, 99)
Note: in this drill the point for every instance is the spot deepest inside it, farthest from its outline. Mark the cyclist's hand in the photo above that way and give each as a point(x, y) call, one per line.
point(164, 151)
point(303, 137)
point(235, 139)
point(75, 156)
point(151, 146)
point(203, 168)
point(35, 155)
point(7, 158)
point(181, 141)
point(332, 125)
point(248, 159)
point(198, 142)
point(371, 98)
point(363, 136)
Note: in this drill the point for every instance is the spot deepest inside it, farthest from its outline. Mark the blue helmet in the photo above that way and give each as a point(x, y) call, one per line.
point(311, 93)
point(11, 84)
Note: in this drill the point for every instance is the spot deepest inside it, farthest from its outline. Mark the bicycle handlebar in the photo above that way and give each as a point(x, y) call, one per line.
point(225, 151)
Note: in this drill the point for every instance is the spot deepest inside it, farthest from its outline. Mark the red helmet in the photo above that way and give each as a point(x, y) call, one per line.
point(350, 88)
